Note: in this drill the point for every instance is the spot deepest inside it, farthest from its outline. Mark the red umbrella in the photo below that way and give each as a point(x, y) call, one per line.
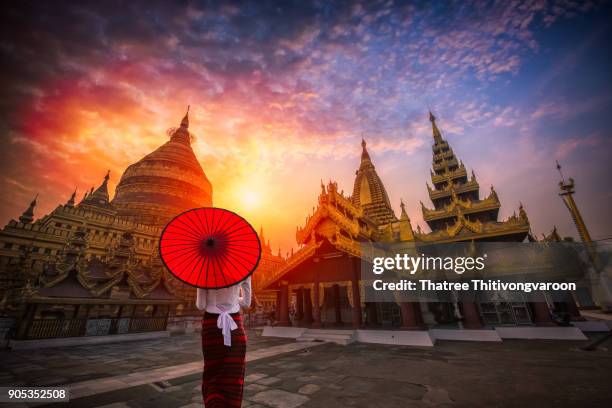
point(210, 248)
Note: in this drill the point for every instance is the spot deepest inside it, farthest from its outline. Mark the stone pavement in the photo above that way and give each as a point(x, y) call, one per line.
point(58, 366)
point(515, 373)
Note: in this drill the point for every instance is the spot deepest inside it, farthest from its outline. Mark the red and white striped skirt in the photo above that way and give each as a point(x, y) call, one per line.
point(224, 366)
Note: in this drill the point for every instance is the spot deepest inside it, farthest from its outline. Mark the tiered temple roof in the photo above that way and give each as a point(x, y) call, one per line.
point(459, 213)
point(119, 275)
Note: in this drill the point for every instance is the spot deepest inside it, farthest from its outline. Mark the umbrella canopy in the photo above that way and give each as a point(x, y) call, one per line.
point(210, 248)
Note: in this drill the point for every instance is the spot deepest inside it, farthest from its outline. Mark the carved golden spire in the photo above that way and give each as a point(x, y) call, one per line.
point(71, 200)
point(28, 215)
point(404, 215)
point(185, 121)
point(365, 156)
point(436, 132)
point(100, 195)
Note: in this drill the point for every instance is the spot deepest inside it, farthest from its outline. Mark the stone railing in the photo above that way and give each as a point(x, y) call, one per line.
point(54, 328)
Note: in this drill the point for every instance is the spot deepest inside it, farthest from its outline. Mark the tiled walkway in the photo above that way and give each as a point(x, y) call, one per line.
point(93, 387)
point(516, 373)
point(59, 366)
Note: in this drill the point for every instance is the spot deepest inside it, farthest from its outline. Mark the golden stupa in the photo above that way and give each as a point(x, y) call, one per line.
point(164, 183)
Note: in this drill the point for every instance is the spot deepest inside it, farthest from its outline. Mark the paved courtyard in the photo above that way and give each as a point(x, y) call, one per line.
point(284, 373)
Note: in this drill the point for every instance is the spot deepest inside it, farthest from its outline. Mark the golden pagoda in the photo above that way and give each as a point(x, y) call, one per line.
point(369, 191)
point(459, 214)
point(164, 183)
point(93, 267)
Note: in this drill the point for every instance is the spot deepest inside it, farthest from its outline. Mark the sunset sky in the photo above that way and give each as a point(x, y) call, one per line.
point(281, 95)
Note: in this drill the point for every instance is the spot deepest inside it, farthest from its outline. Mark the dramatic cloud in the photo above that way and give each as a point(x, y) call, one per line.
point(282, 93)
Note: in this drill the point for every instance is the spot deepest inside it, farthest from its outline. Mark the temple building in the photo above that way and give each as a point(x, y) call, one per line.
point(268, 264)
point(92, 267)
point(322, 278)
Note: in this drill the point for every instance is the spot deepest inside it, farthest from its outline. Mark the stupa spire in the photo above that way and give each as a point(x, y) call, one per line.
point(28, 215)
point(365, 156)
point(71, 200)
point(434, 128)
point(404, 215)
point(104, 186)
point(405, 227)
point(185, 121)
point(181, 133)
point(100, 195)
point(369, 191)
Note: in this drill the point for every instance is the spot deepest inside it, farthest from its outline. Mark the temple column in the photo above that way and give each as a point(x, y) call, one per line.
point(284, 304)
point(356, 301)
point(337, 309)
point(419, 314)
point(410, 317)
point(316, 309)
point(572, 308)
point(278, 306)
point(541, 313)
point(26, 321)
point(307, 307)
point(299, 304)
point(469, 310)
point(372, 315)
point(471, 315)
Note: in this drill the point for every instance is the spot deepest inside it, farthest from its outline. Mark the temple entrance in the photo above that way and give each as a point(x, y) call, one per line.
point(336, 310)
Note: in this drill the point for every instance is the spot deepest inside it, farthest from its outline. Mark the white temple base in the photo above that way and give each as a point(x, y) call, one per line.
point(465, 335)
point(283, 331)
point(419, 338)
point(546, 333)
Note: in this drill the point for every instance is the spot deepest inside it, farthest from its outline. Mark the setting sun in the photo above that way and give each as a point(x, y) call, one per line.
point(250, 198)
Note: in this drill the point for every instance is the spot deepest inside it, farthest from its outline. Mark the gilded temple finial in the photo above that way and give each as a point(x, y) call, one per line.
point(436, 132)
point(104, 186)
point(28, 215)
point(404, 215)
point(185, 121)
point(365, 156)
point(71, 200)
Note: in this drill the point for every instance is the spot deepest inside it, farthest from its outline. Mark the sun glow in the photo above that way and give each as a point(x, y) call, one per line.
point(248, 197)
point(251, 199)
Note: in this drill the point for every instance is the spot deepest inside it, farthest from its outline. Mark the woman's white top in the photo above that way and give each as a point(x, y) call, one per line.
point(223, 302)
